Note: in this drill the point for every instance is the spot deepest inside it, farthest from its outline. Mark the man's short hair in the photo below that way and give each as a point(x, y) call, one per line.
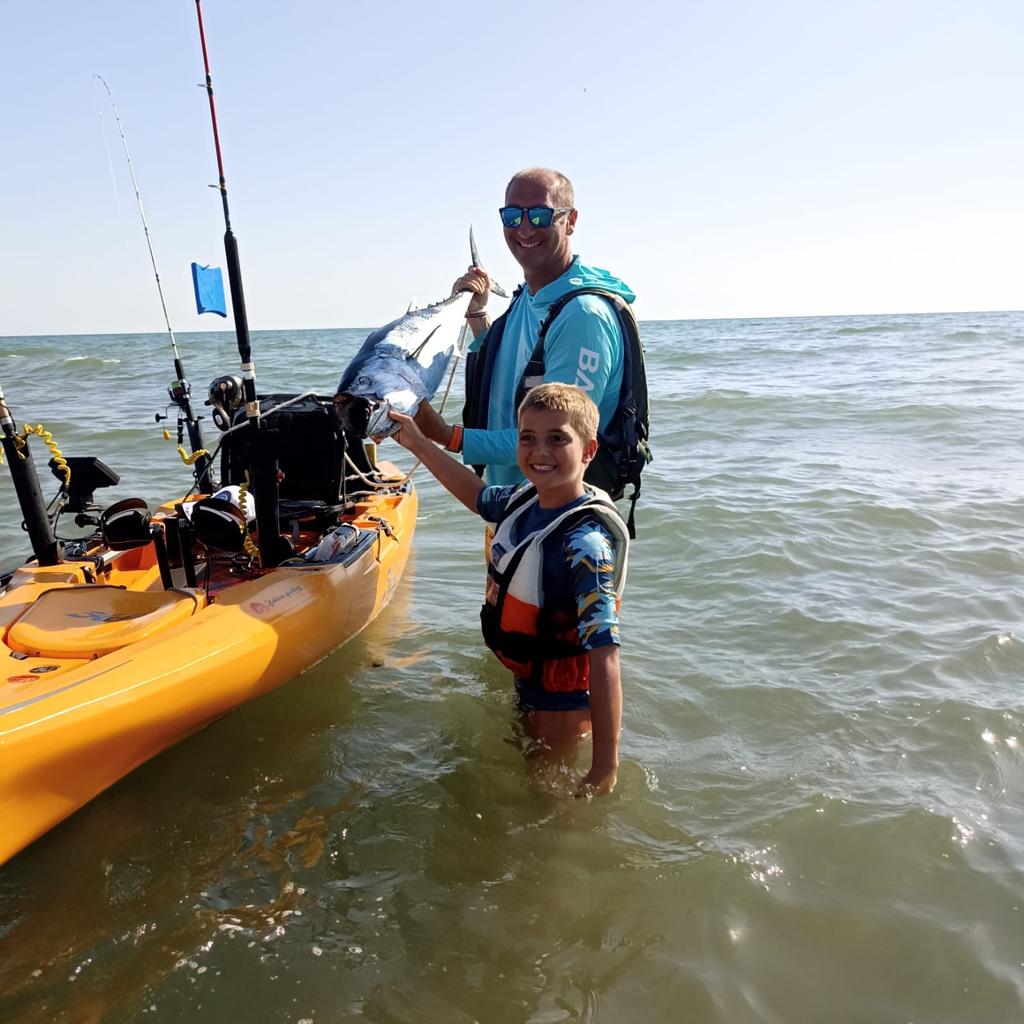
point(561, 185)
point(578, 407)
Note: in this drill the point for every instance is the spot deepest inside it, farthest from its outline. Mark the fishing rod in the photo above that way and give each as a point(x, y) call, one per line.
point(45, 545)
point(273, 547)
point(179, 390)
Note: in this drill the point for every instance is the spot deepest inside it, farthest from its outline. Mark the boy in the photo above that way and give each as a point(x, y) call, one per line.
point(557, 566)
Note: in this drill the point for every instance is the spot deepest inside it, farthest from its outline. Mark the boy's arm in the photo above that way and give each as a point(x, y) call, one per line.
point(605, 719)
point(460, 481)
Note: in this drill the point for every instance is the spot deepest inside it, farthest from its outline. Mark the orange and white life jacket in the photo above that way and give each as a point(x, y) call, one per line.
point(524, 631)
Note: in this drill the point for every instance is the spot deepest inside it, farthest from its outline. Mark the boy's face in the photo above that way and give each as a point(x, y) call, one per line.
point(552, 455)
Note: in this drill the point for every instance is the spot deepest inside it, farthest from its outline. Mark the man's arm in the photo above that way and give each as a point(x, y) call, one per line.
point(605, 719)
point(584, 346)
point(477, 281)
point(460, 481)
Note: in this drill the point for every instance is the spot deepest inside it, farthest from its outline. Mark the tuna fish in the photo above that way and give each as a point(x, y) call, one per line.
point(403, 363)
point(400, 365)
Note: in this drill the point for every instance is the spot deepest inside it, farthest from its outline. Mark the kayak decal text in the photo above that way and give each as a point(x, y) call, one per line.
point(269, 603)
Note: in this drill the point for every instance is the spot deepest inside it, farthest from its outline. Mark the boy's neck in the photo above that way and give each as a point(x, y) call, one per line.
point(559, 497)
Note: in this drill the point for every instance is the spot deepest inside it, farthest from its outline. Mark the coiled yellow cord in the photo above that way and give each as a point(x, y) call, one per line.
point(250, 547)
point(190, 459)
point(58, 456)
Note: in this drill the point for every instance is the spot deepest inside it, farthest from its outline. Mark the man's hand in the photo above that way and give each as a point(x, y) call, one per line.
point(477, 281)
point(431, 424)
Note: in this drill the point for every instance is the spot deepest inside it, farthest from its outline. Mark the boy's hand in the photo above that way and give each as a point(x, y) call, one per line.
point(599, 781)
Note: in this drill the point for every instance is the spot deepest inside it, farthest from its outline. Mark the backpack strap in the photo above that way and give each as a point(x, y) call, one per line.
point(628, 428)
point(533, 375)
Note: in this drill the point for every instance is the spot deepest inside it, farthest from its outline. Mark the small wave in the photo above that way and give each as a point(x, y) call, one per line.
point(916, 411)
point(725, 397)
point(874, 329)
point(33, 350)
point(91, 360)
point(963, 335)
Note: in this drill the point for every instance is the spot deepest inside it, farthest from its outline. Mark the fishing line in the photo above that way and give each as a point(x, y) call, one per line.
point(113, 176)
point(179, 390)
point(142, 212)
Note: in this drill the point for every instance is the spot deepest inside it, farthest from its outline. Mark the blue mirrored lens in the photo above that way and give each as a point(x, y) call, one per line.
point(511, 216)
point(540, 216)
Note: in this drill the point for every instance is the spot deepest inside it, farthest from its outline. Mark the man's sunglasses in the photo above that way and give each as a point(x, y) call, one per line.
point(538, 216)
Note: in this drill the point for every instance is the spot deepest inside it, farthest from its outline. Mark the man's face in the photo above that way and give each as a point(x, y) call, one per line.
point(541, 252)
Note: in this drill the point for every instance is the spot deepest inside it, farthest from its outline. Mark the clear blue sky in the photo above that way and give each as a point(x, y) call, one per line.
point(730, 158)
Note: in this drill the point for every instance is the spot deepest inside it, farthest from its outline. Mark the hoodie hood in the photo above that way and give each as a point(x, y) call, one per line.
point(580, 275)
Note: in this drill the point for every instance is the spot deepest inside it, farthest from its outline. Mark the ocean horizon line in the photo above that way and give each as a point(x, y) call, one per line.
point(657, 320)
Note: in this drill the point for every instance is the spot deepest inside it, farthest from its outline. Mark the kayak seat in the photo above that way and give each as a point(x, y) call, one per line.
point(90, 621)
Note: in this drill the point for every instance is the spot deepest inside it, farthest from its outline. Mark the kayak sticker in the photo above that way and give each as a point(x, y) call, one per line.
point(98, 616)
point(277, 602)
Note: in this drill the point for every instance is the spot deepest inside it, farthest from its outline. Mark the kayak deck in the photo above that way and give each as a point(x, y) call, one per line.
point(101, 668)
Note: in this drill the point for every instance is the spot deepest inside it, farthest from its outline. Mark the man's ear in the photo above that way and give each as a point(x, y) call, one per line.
point(589, 451)
point(570, 221)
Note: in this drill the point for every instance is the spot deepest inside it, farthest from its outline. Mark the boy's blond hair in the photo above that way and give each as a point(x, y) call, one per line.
point(577, 406)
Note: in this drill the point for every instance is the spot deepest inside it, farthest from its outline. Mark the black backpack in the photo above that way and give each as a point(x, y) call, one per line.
point(624, 445)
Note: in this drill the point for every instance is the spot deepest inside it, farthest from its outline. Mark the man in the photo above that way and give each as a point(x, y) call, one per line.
point(583, 346)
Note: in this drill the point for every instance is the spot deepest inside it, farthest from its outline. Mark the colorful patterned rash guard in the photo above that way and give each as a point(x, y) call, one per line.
point(578, 571)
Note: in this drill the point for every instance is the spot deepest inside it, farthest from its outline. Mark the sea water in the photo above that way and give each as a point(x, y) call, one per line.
point(820, 808)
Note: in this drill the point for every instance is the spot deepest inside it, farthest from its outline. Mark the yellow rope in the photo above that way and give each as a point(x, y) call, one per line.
point(58, 456)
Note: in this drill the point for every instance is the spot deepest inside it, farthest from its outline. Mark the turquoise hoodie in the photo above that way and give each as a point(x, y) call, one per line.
point(583, 347)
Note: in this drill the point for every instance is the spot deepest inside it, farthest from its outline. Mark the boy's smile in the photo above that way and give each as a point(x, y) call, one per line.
point(552, 456)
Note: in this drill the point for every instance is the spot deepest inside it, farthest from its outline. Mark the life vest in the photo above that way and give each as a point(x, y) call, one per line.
point(624, 444)
point(519, 626)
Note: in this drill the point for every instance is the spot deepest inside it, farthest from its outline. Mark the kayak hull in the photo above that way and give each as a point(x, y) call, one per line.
point(73, 722)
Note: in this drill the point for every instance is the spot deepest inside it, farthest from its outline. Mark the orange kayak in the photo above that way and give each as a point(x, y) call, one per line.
point(104, 666)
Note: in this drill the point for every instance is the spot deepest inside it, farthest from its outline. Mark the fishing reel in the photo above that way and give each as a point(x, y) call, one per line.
point(226, 396)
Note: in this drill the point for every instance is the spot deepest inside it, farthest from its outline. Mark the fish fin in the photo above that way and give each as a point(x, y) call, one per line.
point(412, 306)
point(418, 350)
point(474, 256)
